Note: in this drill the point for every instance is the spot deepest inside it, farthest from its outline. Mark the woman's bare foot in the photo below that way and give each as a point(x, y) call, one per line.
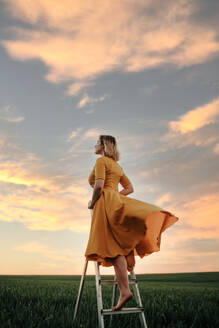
point(122, 300)
point(130, 259)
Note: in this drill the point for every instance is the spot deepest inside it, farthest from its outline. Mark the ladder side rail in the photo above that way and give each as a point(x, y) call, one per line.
point(113, 298)
point(99, 295)
point(135, 289)
point(80, 289)
point(138, 300)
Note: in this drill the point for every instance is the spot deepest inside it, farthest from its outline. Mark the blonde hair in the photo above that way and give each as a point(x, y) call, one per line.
point(110, 148)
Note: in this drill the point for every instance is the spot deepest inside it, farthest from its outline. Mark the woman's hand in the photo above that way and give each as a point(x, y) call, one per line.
point(90, 206)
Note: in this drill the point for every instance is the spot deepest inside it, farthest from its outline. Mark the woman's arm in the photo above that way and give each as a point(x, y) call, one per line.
point(127, 190)
point(98, 187)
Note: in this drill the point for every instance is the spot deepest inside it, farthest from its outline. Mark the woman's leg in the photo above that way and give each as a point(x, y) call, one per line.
point(130, 259)
point(120, 266)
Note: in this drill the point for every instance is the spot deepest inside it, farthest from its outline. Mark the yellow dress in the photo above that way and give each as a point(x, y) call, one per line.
point(120, 223)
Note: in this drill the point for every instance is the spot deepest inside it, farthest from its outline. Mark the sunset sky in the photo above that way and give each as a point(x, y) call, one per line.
point(144, 71)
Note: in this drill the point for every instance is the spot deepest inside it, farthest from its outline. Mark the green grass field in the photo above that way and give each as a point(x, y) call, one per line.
point(170, 300)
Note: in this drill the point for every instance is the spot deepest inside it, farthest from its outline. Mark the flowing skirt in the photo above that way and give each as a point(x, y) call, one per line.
point(121, 224)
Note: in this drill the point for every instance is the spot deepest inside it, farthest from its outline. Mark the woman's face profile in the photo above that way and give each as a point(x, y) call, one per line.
point(98, 147)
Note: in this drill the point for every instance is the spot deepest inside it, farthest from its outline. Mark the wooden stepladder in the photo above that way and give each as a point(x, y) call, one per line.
point(101, 311)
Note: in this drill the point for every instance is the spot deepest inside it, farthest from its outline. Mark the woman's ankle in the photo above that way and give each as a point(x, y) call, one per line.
point(125, 293)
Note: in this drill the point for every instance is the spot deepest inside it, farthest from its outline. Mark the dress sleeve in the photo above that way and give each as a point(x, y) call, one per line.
point(124, 180)
point(100, 169)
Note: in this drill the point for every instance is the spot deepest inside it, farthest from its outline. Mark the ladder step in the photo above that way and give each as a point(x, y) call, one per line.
point(124, 311)
point(115, 282)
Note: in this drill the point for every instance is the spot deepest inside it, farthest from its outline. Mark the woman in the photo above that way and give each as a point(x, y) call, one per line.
point(121, 227)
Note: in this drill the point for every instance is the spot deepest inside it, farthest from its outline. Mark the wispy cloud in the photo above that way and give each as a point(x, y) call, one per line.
point(88, 100)
point(85, 100)
point(74, 134)
point(7, 114)
point(75, 88)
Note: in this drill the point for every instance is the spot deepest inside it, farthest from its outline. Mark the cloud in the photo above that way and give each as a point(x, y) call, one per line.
point(199, 245)
point(65, 255)
point(74, 134)
point(198, 126)
point(7, 115)
point(37, 194)
point(198, 216)
point(202, 212)
point(149, 89)
point(47, 261)
point(216, 149)
point(196, 118)
point(78, 147)
point(78, 40)
point(32, 247)
point(75, 88)
point(193, 240)
point(92, 133)
point(88, 100)
point(164, 199)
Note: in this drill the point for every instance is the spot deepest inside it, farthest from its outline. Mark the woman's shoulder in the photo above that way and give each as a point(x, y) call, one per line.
point(101, 161)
